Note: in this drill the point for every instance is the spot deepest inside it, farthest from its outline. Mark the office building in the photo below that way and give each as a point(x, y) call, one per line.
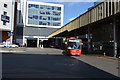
point(7, 14)
point(36, 20)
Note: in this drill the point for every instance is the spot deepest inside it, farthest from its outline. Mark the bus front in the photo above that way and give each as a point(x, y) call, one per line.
point(74, 47)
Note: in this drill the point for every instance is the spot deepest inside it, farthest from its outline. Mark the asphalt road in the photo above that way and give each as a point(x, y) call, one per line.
point(47, 63)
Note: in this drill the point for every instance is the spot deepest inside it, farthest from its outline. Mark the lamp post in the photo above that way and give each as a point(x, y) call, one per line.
point(12, 23)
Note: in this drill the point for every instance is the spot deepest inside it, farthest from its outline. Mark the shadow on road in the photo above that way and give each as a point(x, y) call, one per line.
point(48, 66)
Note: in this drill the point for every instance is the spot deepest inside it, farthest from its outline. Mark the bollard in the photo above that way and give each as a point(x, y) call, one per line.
point(104, 54)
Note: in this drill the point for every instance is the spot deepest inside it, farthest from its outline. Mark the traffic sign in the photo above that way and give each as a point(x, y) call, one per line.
point(11, 33)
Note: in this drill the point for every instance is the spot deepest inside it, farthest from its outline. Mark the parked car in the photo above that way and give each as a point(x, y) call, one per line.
point(12, 45)
point(2, 45)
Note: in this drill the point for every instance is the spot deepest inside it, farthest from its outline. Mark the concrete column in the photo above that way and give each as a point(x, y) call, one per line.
point(89, 41)
point(114, 37)
point(0, 56)
point(38, 42)
point(42, 44)
point(23, 41)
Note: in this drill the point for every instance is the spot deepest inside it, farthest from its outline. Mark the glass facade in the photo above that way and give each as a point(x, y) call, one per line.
point(44, 15)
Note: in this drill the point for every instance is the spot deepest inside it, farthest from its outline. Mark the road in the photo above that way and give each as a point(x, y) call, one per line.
point(48, 63)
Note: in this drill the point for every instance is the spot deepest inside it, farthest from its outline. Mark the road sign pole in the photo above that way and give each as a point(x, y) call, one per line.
point(11, 38)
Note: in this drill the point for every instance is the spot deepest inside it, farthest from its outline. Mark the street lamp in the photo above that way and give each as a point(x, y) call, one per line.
point(12, 23)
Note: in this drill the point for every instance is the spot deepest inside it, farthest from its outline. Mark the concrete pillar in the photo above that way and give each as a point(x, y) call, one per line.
point(23, 41)
point(41, 43)
point(114, 37)
point(89, 41)
point(38, 42)
point(0, 56)
point(26, 42)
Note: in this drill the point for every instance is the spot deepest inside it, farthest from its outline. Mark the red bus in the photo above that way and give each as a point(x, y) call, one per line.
point(73, 46)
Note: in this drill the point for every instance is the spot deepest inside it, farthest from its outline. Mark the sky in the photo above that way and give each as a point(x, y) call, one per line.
point(75, 9)
point(72, 9)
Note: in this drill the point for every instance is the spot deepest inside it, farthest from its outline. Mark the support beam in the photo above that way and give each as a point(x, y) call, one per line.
point(89, 41)
point(38, 42)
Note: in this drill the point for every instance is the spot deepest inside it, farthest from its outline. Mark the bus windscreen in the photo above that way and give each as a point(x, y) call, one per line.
point(74, 44)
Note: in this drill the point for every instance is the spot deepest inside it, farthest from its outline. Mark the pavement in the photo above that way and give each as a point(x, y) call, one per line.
point(20, 49)
point(105, 63)
point(31, 50)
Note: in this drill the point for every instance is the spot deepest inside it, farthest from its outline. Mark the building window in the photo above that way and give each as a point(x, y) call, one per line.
point(59, 8)
point(52, 7)
point(40, 23)
point(29, 5)
point(30, 17)
point(48, 18)
point(35, 17)
point(42, 6)
point(48, 7)
point(5, 5)
point(37, 6)
point(56, 19)
point(5, 13)
point(42, 12)
point(40, 17)
point(4, 23)
point(47, 13)
point(56, 13)
point(44, 24)
point(19, 16)
point(55, 8)
point(33, 5)
point(48, 23)
point(45, 18)
point(56, 24)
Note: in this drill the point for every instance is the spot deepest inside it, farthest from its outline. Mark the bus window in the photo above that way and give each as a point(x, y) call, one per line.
point(74, 44)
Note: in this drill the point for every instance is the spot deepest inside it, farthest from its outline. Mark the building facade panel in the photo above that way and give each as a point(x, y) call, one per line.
point(44, 14)
point(19, 31)
point(37, 20)
point(33, 31)
point(7, 14)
